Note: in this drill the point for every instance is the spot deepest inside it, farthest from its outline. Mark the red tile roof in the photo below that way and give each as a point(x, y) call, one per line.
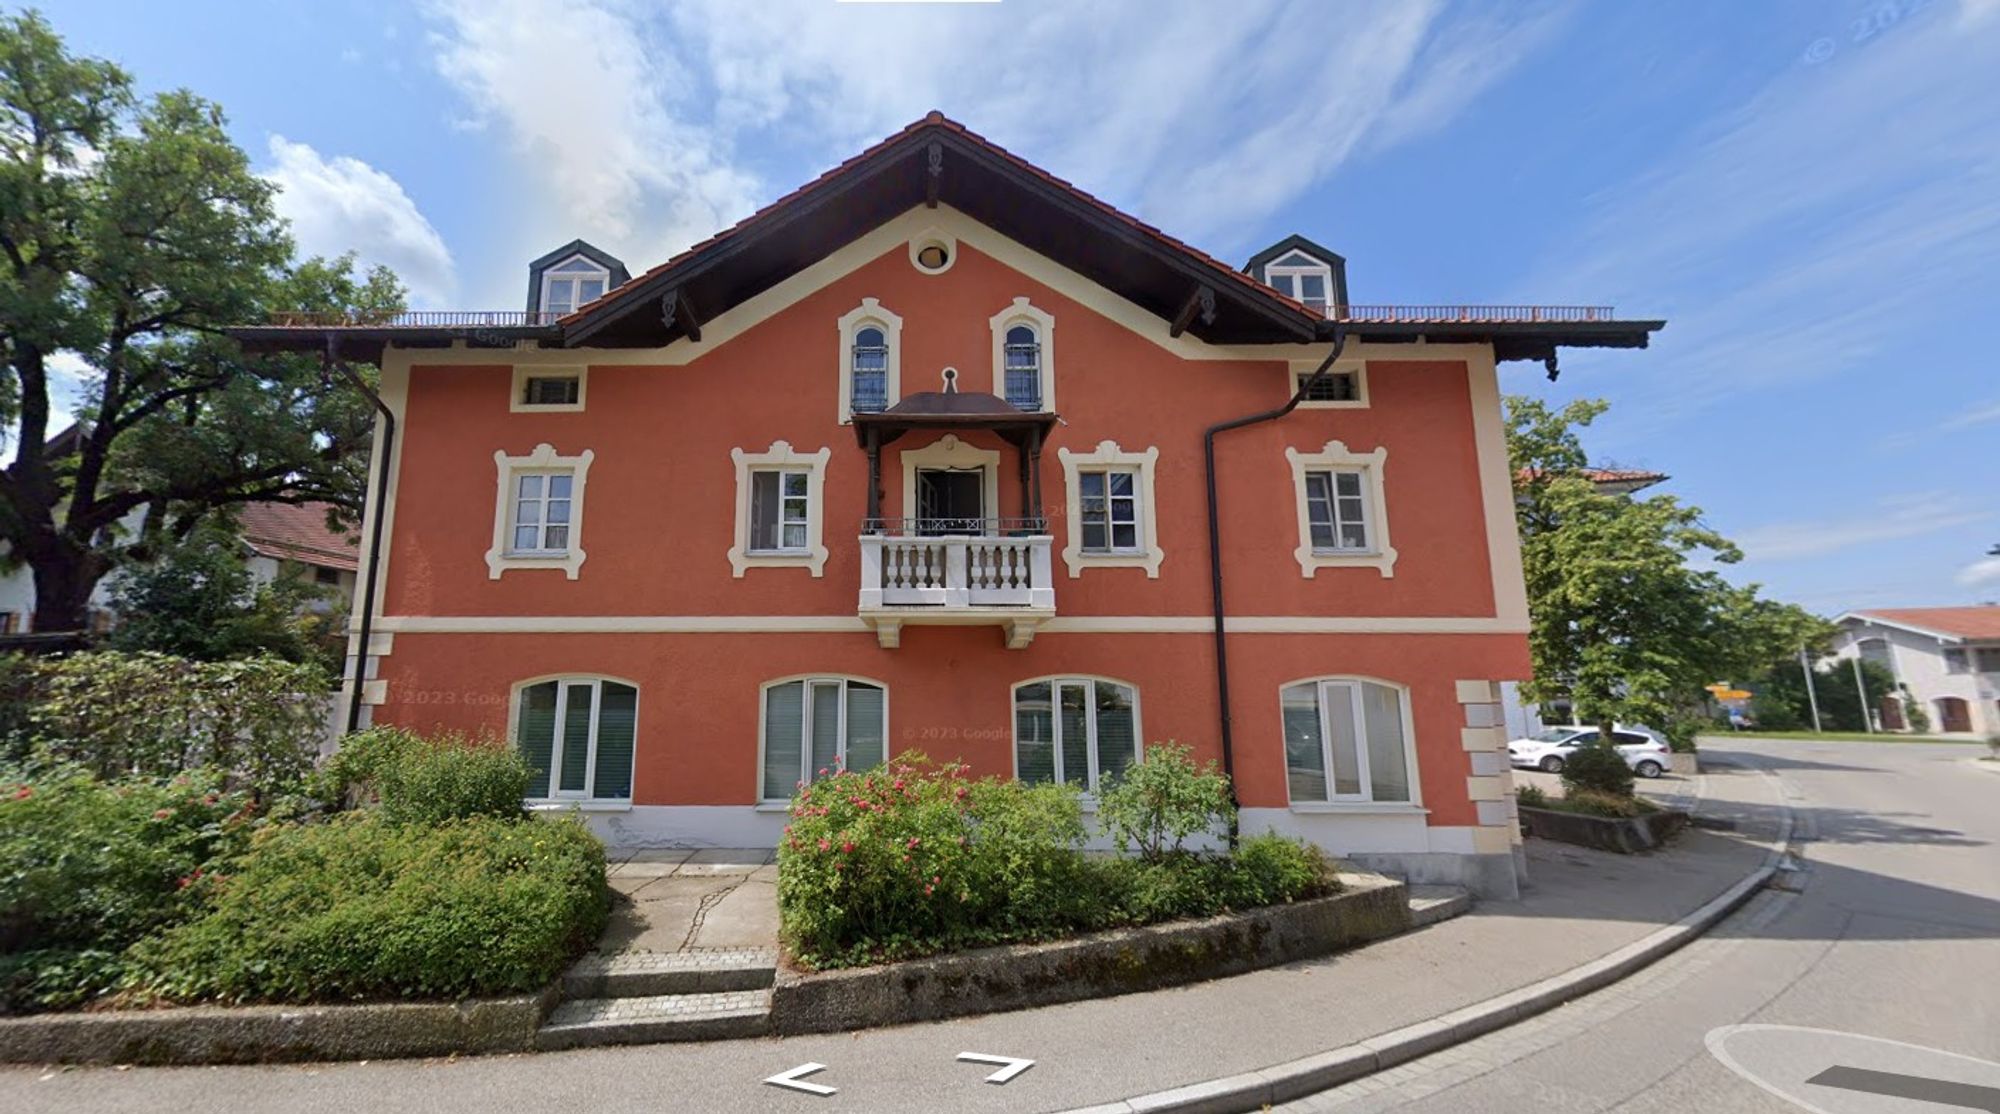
point(1955, 622)
point(1639, 476)
point(298, 532)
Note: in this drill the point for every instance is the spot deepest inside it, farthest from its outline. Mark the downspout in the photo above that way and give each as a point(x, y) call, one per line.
point(1215, 557)
point(375, 532)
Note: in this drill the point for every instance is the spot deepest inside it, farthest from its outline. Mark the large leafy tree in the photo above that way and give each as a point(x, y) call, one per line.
point(132, 231)
point(1629, 618)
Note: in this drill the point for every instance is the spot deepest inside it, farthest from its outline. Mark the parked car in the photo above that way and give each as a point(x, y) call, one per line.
point(1642, 747)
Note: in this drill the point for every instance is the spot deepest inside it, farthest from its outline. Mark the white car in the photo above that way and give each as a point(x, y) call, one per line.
point(1642, 748)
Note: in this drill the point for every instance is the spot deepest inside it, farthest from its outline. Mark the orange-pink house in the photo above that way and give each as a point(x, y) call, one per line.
point(917, 458)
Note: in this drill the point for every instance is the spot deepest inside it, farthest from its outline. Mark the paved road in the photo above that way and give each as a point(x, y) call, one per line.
point(1891, 933)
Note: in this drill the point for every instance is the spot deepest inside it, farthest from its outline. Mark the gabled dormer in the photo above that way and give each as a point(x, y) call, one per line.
point(572, 276)
point(1302, 270)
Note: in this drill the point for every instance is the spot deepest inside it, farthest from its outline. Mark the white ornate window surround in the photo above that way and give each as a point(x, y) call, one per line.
point(1337, 458)
point(948, 452)
point(781, 456)
point(522, 400)
point(870, 313)
point(543, 461)
point(1147, 554)
point(1023, 312)
point(1357, 370)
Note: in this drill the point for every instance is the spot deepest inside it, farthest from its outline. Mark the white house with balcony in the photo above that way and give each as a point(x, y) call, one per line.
point(1948, 658)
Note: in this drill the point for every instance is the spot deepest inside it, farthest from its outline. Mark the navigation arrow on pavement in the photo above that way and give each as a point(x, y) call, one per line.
point(1011, 1066)
point(793, 1079)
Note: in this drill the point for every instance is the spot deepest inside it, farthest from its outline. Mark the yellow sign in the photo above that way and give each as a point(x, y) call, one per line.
point(1730, 694)
point(1719, 688)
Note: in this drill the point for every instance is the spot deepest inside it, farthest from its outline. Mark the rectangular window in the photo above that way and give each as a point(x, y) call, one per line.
point(779, 510)
point(541, 513)
point(577, 735)
point(1334, 386)
point(551, 390)
point(1345, 741)
point(1337, 511)
point(813, 727)
point(1955, 661)
point(1108, 503)
point(1076, 730)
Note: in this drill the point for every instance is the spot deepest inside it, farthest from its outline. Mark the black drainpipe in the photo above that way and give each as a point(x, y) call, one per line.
point(374, 533)
point(1215, 556)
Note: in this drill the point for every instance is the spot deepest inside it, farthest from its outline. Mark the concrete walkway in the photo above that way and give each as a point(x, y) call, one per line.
point(1582, 905)
point(674, 901)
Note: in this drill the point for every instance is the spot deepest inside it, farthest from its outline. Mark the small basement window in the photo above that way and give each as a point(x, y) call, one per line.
point(538, 388)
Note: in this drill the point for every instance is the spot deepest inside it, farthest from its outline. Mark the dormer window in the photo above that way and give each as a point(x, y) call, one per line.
point(574, 282)
point(1298, 275)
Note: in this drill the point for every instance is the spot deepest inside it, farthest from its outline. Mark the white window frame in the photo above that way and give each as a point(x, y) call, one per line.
point(781, 455)
point(1055, 683)
point(870, 312)
point(563, 681)
point(544, 460)
point(1336, 457)
point(518, 403)
point(805, 741)
point(1301, 369)
point(782, 550)
point(1366, 798)
point(1108, 455)
point(1278, 268)
point(1023, 312)
point(551, 275)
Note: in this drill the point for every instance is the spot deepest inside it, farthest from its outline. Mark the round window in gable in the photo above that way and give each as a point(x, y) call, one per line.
point(932, 253)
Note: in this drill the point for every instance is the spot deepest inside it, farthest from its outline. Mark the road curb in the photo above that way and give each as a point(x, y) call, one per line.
point(1295, 1079)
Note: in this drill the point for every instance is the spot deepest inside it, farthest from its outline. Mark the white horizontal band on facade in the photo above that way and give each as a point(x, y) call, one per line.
point(842, 624)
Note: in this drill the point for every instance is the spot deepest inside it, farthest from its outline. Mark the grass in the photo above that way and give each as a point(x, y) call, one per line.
point(1844, 737)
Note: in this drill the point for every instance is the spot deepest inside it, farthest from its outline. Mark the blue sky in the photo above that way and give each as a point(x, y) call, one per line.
point(1809, 190)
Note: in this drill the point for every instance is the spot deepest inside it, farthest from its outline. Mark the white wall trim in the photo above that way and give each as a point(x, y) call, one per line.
point(781, 455)
point(517, 404)
point(1107, 454)
point(1024, 312)
point(950, 452)
point(1381, 555)
point(545, 457)
point(395, 393)
point(1346, 366)
point(1496, 489)
point(869, 312)
point(845, 624)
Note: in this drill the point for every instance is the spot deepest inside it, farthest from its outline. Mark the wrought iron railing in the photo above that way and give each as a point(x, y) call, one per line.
point(416, 319)
point(1441, 314)
point(931, 527)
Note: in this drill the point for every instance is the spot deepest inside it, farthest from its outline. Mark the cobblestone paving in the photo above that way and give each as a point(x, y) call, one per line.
point(692, 959)
point(661, 1007)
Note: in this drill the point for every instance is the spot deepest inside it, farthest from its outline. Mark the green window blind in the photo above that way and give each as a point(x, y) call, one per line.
point(1305, 760)
point(535, 733)
point(825, 728)
point(1034, 734)
point(784, 733)
point(1117, 734)
point(617, 728)
point(1388, 767)
point(1073, 718)
point(865, 726)
point(575, 762)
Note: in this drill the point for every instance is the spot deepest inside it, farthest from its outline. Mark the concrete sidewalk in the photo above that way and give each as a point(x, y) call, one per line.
point(1582, 905)
point(672, 901)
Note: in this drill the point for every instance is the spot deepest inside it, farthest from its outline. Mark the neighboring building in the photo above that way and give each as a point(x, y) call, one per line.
point(1522, 717)
point(833, 513)
point(1948, 658)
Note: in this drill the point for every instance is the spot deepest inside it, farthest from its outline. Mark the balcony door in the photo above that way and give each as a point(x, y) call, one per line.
point(950, 501)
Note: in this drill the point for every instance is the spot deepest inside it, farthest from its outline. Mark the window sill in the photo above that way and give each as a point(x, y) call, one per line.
point(774, 806)
point(579, 806)
point(1361, 808)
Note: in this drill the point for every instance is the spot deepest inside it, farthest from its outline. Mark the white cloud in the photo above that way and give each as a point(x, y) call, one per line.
point(343, 204)
point(1179, 118)
point(1984, 571)
point(1891, 519)
point(1979, 415)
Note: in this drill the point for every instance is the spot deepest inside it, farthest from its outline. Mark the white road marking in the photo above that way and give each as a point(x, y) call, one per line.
point(792, 1080)
point(1013, 1065)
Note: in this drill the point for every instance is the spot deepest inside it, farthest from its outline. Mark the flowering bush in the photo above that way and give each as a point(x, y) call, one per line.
point(359, 907)
point(87, 868)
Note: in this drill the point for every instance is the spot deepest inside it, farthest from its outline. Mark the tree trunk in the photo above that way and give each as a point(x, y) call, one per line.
point(64, 581)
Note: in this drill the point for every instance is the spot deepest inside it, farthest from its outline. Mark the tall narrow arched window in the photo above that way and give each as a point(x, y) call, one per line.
point(1024, 367)
point(868, 371)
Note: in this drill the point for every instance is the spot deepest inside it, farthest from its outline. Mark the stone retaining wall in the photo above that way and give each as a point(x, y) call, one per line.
point(1626, 836)
point(263, 1034)
point(990, 980)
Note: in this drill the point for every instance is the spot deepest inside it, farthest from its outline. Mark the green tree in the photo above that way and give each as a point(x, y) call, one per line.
point(131, 232)
point(1625, 621)
point(198, 600)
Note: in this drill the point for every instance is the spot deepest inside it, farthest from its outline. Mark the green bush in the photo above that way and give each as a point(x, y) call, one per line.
point(1531, 796)
point(1591, 802)
point(1596, 766)
point(1271, 869)
point(1162, 800)
point(359, 907)
point(418, 780)
point(87, 868)
point(115, 714)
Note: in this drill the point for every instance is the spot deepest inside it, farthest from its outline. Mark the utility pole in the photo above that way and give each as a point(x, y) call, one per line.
point(1812, 696)
point(1860, 686)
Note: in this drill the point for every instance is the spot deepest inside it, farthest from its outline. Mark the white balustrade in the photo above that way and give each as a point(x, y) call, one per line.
point(954, 571)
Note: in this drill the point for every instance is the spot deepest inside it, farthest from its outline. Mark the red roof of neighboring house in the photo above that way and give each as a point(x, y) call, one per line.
point(1952, 622)
point(1638, 476)
point(298, 532)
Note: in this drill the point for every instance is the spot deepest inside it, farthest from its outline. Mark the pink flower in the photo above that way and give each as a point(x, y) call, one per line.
point(24, 792)
point(935, 879)
point(928, 889)
point(163, 814)
point(847, 848)
point(825, 844)
point(899, 783)
point(913, 842)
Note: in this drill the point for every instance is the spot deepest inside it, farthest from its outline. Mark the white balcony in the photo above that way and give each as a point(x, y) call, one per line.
point(956, 579)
